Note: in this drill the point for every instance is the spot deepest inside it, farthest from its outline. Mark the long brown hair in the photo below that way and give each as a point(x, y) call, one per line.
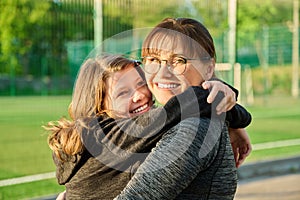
point(87, 102)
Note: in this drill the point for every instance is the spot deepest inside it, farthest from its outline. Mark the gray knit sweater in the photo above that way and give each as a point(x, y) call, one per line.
point(190, 162)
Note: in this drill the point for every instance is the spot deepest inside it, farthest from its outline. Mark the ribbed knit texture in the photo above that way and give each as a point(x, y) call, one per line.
point(204, 170)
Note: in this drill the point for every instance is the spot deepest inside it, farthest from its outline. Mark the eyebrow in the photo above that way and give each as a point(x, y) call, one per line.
point(118, 88)
point(172, 55)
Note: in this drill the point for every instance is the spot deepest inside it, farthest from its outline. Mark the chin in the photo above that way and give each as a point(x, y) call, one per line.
point(164, 99)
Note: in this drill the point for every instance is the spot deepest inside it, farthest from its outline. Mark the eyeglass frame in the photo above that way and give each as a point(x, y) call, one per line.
point(169, 66)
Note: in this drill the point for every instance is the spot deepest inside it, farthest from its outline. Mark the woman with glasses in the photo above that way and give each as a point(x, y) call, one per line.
point(177, 54)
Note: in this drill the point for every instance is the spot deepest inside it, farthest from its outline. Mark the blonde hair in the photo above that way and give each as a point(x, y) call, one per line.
point(87, 102)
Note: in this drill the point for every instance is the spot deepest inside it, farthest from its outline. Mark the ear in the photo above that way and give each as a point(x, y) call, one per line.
point(210, 70)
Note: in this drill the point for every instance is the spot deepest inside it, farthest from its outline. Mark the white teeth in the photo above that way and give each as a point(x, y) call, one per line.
point(161, 85)
point(140, 108)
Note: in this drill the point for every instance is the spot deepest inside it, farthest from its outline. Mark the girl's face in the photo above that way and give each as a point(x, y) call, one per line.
point(127, 93)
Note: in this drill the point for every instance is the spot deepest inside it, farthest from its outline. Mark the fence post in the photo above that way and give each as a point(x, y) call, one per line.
point(265, 60)
point(98, 23)
point(295, 56)
point(12, 77)
point(232, 7)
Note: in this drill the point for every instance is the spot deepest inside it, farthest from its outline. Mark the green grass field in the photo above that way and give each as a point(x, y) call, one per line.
point(24, 149)
point(274, 119)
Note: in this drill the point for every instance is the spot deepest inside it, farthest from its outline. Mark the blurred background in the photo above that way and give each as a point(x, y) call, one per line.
point(44, 42)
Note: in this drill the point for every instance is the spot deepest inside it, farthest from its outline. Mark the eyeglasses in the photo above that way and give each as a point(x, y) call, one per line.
point(176, 65)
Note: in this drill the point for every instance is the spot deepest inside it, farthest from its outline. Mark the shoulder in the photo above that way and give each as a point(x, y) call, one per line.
point(190, 132)
point(196, 125)
point(65, 168)
point(199, 136)
point(194, 121)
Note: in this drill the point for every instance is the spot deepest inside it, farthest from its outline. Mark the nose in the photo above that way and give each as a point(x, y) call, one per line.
point(137, 96)
point(163, 70)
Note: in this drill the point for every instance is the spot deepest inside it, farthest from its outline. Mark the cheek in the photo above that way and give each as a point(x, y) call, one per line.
point(120, 105)
point(149, 77)
point(194, 76)
point(150, 86)
point(147, 92)
point(163, 97)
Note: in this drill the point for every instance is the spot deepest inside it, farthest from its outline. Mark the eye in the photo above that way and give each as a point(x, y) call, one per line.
point(141, 83)
point(122, 93)
point(152, 60)
point(179, 61)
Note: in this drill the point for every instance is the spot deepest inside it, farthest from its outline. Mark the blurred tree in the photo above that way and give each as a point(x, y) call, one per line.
point(254, 18)
point(66, 21)
point(117, 17)
point(34, 33)
point(212, 13)
point(20, 22)
point(124, 15)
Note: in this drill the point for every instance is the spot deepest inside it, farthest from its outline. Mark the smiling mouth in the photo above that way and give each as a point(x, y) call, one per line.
point(167, 86)
point(140, 109)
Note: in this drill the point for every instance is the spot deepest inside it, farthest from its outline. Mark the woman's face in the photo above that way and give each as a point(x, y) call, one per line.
point(165, 84)
point(127, 93)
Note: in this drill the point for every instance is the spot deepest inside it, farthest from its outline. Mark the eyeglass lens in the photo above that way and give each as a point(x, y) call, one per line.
point(175, 65)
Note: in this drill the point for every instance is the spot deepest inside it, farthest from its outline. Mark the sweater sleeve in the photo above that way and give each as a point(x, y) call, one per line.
point(238, 117)
point(141, 133)
point(175, 161)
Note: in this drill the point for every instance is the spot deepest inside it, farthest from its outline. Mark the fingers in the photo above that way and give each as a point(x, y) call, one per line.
point(241, 159)
point(226, 104)
point(212, 94)
point(249, 149)
point(223, 106)
point(242, 155)
point(236, 155)
point(241, 145)
point(229, 96)
point(206, 84)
